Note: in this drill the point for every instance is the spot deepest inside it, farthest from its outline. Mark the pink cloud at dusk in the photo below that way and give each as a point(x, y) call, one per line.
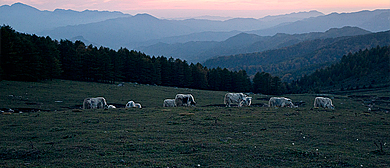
point(232, 8)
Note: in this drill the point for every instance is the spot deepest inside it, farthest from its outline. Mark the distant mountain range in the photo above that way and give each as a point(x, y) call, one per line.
point(301, 58)
point(375, 21)
point(28, 19)
point(242, 43)
point(144, 29)
point(116, 29)
point(287, 42)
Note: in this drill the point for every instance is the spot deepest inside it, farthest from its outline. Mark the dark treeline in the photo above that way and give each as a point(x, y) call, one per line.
point(31, 58)
point(27, 57)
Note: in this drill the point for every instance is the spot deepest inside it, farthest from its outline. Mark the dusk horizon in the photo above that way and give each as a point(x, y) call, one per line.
point(218, 9)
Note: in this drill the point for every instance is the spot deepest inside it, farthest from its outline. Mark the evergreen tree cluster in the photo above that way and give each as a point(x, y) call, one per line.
point(28, 57)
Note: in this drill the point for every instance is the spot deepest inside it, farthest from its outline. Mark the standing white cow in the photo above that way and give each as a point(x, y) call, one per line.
point(184, 100)
point(280, 102)
point(237, 98)
point(131, 104)
point(169, 103)
point(323, 102)
point(95, 103)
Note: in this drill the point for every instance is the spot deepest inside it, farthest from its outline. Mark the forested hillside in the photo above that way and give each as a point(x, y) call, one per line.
point(302, 55)
point(362, 69)
point(27, 57)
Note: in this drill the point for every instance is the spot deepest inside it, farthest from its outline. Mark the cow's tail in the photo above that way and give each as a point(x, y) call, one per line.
point(315, 103)
point(85, 104)
point(225, 99)
point(270, 102)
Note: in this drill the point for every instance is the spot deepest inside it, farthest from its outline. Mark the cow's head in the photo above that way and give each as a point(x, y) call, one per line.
point(247, 101)
point(105, 106)
point(290, 103)
point(192, 102)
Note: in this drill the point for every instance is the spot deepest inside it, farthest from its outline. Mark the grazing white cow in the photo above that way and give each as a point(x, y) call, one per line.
point(169, 103)
point(237, 98)
point(111, 107)
point(280, 102)
point(94, 103)
point(131, 104)
point(323, 102)
point(184, 100)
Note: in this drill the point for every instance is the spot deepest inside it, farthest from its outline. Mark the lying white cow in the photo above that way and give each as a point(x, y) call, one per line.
point(184, 100)
point(237, 98)
point(169, 103)
point(280, 102)
point(94, 103)
point(323, 102)
point(138, 105)
point(131, 104)
point(111, 107)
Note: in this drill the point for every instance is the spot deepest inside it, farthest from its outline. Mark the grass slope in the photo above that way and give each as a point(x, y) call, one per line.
point(185, 137)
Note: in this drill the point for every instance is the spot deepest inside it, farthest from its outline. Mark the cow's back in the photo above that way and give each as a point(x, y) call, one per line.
point(184, 99)
point(101, 102)
point(323, 102)
point(94, 103)
point(231, 98)
point(278, 101)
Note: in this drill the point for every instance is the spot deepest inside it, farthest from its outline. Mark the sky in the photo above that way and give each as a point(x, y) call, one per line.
point(194, 8)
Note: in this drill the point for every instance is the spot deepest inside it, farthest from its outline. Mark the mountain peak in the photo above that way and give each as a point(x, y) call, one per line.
point(144, 16)
point(23, 6)
point(345, 31)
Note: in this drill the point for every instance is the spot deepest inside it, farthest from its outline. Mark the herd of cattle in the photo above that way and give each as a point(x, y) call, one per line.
point(188, 100)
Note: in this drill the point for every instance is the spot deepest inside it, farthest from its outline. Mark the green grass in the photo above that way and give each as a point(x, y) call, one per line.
point(172, 137)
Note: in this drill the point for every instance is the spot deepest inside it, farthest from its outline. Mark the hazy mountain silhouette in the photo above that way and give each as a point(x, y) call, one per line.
point(123, 30)
point(375, 21)
point(304, 56)
point(241, 44)
point(25, 18)
point(144, 29)
point(86, 42)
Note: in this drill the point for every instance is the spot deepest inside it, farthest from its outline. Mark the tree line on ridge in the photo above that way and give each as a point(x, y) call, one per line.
point(27, 57)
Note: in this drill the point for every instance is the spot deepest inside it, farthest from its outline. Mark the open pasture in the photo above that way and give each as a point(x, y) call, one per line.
point(59, 134)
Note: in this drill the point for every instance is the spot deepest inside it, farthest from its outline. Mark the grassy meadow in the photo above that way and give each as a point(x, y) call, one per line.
point(48, 129)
